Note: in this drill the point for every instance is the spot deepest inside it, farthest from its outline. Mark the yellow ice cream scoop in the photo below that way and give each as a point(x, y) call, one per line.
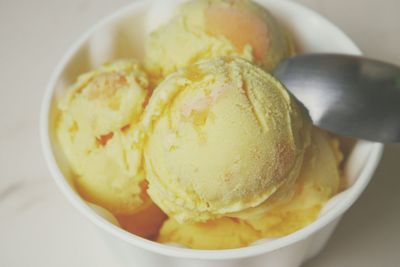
point(203, 29)
point(222, 137)
point(222, 233)
point(318, 181)
point(97, 131)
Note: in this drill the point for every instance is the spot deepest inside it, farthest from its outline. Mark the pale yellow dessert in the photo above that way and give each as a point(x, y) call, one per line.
point(220, 146)
point(318, 181)
point(203, 29)
point(222, 233)
point(223, 136)
point(97, 132)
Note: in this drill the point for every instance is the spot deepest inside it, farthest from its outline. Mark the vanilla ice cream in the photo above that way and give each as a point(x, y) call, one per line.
point(97, 131)
point(222, 137)
point(203, 29)
point(317, 182)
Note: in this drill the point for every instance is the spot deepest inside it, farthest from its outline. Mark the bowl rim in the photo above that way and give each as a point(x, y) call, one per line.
point(355, 191)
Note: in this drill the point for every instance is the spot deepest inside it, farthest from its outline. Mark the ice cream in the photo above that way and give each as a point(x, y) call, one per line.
point(97, 131)
point(222, 137)
point(318, 181)
point(220, 146)
point(222, 233)
point(203, 29)
point(146, 222)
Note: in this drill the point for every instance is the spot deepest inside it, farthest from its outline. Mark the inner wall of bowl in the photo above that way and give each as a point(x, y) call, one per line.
point(123, 35)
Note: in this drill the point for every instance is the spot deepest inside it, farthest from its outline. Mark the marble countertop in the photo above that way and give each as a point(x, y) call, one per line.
point(38, 227)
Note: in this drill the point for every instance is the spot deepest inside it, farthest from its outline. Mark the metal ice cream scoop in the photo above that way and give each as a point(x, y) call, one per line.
point(348, 95)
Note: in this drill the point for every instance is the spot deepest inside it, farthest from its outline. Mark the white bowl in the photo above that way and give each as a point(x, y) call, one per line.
point(121, 35)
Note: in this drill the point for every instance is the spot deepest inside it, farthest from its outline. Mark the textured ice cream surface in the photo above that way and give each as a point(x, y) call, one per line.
point(317, 182)
point(222, 233)
point(222, 137)
point(203, 29)
point(97, 131)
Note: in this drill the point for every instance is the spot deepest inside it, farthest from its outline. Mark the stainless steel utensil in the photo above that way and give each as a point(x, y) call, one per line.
point(348, 95)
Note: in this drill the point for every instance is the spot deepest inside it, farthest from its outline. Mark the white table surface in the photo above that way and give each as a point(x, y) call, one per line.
point(38, 227)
